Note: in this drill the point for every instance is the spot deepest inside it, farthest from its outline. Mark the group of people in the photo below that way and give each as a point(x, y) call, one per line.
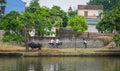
point(55, 42)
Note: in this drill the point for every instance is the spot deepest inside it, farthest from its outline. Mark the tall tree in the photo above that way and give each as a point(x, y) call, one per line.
point(58, 16)
point(11, 25)
point(110, 22)
point(78, 24)
point(108, 4)
point(36, 17)
point(72, 13)
point(110, 19)
point(39, 18)
point(2, 1)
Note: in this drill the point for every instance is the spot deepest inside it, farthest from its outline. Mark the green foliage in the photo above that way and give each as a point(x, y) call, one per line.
point(18, 25)
point(58, 17)
point(72, 13)
point(65, 20)
point(39, 18)
point(78, 24)
point(13, 37)
point(117, 39)
point(11, 25)
point(110, 19)
point(108, 4)
point(2, 1)
point(117, 67)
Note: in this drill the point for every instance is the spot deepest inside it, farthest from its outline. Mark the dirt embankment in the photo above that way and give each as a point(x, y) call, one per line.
point(60, 52)
point(10, 50)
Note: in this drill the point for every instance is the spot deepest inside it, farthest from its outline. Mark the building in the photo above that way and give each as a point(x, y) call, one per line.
point(2, 8)
point(91, 13)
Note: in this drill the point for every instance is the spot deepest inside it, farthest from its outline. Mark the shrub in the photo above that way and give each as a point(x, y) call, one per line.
point(117, 39)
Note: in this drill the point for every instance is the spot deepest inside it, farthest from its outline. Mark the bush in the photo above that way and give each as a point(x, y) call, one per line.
point(12, 37)
point(117, 39)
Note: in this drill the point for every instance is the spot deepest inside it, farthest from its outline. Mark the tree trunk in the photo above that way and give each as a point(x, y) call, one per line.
point(26, 40)
point(75, 40)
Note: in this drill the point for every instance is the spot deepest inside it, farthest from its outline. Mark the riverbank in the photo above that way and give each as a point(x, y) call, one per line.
point(20, 52)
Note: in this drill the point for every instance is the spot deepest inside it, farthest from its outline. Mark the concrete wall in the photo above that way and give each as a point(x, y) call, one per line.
point(91, 13)
point(1, 34)
point(70, 43)
point(92, 28)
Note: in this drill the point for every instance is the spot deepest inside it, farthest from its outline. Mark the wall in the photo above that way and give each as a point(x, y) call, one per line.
point(70, 43)
point(1, 34)
point(91, 13)
point(92, 28)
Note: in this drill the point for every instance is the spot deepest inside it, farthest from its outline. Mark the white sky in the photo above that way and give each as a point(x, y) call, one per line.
point(64, 4)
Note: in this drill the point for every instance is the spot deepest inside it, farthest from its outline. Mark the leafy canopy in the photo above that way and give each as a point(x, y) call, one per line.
point(110, 19)
point(2, 1)
point(16, 25)
point(78, 23)
point(108, 4)
point(10, 23)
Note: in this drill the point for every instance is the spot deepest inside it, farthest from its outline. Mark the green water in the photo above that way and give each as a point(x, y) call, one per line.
point(60, 64)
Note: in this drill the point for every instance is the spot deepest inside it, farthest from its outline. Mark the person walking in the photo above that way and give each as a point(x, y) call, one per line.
point(85, 43)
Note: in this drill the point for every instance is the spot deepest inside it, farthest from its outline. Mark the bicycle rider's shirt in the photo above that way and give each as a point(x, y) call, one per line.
point(57, 41)
point(52, 41)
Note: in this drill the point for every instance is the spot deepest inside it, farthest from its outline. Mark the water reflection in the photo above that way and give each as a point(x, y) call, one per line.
point(60, 64)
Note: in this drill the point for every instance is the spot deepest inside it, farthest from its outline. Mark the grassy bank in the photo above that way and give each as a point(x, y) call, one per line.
point(15, 50)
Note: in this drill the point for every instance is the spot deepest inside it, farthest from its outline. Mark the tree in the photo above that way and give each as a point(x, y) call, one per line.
point(117, 39)
point(58, 18)
point(2, 1)
point(108, 4)
point(36, 17)
point(110, 19)
point(110, 22)
point(72, 13)
point(78, 24)
point(11, 25)
point(18, 25)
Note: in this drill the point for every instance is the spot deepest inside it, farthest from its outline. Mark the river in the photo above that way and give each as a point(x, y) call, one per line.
point(60, 64)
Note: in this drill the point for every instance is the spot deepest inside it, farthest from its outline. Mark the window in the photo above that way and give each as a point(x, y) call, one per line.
point(85, 13)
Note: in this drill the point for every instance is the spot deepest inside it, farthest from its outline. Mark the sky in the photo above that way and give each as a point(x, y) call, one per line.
point(19, 5)
point(16, 5)
point(64, 4)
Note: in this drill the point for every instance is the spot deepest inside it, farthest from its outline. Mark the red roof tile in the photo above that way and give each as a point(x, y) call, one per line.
point(70, 8)
point(93, 7)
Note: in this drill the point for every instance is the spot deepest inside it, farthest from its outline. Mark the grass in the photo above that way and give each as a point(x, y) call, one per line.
point(8, 48)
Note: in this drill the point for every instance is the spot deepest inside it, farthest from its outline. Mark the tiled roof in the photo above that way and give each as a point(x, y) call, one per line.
point(92, 7)
point(70, 8)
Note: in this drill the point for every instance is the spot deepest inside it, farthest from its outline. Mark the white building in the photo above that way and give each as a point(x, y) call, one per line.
point(91, 13)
